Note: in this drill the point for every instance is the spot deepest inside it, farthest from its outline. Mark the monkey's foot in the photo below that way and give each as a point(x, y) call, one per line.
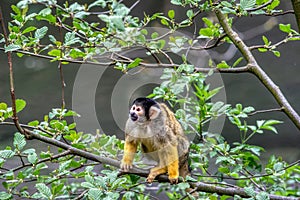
point(150, 179)
point(173, 180)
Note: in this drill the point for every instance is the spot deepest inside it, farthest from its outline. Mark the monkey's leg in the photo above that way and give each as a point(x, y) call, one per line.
point(160, 169)
point(173, 164)
point(129, 152)
point(155, 171)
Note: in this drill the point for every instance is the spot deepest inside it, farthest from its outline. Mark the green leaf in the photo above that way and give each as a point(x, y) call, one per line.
point(247, 4)
point(171, 14)
point(134, 63)
point(248, 109)
point(186, 68)
point(77, 53)
point(70, 38)
point(285, 28)
point(117, 183)
point(87, 185)
point(104, 18)
point(6, 153)
point(164, 22)
point(216, 106)
point(52, 38)
point(19, 141)
point(12, 47)
point(189, 13)
point(223, 64)
point(262, 50)
point(262, 196)
point(154, 35)
point(278, 166)
point(95, 194)
point(4, 196)
point(16, 9)
point(41, 32)
point(266, 41)
point(118, 23)
point(129, 195)
point(34, 123)
point(3, 106)
point(272, 122)
point(207, 22)
point(29, 29)
point(224, 170)
point(250, 191)
point(72, 126)
point(273, 5)
point(259, 123)
point(206, 32)
point(101, 3)
point(44, 190)
point(237, 61)
point(161, 44)
point(55, 52)
point(20, 104)
point(45, 11)
point(32, 158)
point(276, 53)
point(268, 125)
point(226, 4)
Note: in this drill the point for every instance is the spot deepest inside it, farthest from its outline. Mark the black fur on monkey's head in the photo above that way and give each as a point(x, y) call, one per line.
point(145, 103)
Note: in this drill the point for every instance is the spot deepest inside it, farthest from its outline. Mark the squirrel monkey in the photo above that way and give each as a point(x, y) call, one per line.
point(154, 126)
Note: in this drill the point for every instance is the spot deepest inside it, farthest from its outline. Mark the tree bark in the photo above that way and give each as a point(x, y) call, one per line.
point(296, 7)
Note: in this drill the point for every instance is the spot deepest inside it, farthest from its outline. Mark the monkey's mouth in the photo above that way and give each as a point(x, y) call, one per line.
point(133, 116)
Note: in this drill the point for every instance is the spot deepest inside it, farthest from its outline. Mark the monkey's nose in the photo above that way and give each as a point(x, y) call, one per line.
point(133, 116)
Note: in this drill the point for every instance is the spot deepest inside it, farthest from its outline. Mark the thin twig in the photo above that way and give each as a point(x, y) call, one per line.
point(265, 111)
point(63, 84)
point(81, 195)
point(260, 7)
point(63, 154)
point(134, 5)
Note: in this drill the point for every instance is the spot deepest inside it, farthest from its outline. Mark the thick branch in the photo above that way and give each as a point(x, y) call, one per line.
point(234, 37)
point(224, 70)
point(233, 191)
point(258, 71)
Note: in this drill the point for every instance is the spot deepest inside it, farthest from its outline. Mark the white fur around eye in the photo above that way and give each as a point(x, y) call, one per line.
point(154, 112)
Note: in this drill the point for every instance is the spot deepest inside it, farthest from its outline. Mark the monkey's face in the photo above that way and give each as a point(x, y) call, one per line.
point(137, 113)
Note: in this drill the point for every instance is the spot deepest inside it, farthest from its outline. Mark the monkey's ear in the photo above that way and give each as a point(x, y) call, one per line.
point(154, 112)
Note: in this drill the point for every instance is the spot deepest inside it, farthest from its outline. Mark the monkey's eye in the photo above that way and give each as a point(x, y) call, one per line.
point(138, 109)
point(133, 107)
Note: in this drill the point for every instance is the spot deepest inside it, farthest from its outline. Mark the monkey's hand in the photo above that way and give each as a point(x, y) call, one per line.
point(126, 166)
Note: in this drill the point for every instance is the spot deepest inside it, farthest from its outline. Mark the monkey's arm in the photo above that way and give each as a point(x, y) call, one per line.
point(130, 148)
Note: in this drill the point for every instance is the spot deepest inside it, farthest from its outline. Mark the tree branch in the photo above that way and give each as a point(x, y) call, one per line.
point(260, 7)
point(11, 76)
point(204, 187)
point(258, 71)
